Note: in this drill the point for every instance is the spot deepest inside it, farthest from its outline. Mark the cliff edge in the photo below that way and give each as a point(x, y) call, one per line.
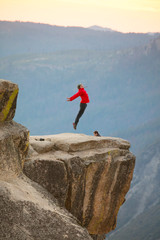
point(64, 186)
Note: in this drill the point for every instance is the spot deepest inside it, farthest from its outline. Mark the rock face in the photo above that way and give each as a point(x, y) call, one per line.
point(14, 142)
point(29, 212)
point(90, 176)
point(73, 184)
point(8, 99)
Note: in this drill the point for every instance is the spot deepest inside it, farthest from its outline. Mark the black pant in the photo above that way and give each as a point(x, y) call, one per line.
point(81, 111)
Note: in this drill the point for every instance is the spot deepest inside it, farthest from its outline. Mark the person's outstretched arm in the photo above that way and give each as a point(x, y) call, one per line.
point(73, 97)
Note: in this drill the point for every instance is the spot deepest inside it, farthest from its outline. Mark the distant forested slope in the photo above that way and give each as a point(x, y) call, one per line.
point(143, 227)
point(139, 216)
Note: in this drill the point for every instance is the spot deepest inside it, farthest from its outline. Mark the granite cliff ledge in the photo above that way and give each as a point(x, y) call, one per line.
point(64, 186)
point(89, 175)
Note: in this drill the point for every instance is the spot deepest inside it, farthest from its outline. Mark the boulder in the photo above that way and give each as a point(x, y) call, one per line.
point(14, 142)
point(8, 100)
point(89, 175)
point(50, 173)
point(29, 212)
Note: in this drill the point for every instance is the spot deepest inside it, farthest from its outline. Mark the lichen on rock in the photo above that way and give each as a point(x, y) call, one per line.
point(8, 100)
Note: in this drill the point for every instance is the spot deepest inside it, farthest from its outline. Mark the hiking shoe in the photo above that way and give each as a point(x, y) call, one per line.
point(74, 126)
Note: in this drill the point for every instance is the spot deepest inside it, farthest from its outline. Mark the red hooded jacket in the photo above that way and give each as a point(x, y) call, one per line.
point(81, 93)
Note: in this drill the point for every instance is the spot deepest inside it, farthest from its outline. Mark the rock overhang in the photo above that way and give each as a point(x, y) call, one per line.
point(71, 142)
point(95, 170)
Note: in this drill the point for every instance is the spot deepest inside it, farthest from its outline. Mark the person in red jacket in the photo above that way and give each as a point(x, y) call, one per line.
point(83, 104)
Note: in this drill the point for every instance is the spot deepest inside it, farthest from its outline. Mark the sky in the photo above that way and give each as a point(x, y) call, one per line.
point(120, 15)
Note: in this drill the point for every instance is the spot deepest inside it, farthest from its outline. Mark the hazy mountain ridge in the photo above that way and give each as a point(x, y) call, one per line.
point(98, 28)
point(30, 37)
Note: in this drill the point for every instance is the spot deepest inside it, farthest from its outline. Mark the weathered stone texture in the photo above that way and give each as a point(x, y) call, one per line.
point(8, 99)
point(99, 237)
point(28, 212)
point(14, 142)
point(51, 174)
point(95, 175)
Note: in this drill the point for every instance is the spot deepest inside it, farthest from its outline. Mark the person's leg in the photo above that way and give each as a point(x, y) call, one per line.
point(80, 113)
